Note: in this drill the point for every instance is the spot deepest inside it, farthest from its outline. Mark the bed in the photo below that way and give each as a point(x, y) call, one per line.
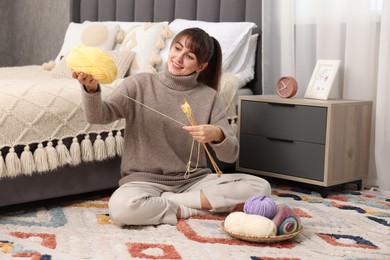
point(47, 148)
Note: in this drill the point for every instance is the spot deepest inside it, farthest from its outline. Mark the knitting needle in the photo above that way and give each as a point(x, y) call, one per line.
point(188, 112)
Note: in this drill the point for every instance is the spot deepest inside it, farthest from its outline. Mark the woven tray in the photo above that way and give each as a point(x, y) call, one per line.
point(271, 239)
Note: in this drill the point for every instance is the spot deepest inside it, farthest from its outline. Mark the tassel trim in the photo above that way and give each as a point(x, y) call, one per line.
point(233, 123)
point(50, 157)
point(27, 161)
point(155, 59)
point(167, 33)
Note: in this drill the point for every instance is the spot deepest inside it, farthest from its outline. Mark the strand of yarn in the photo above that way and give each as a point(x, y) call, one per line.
point(99, 148)
point(75, 152)
point(119, 143)
point(188, 168)
point(27, 161)
point(3, 170)
point(13, 163)
point(86, 149)
point(110, 145)
point(40, 158)
point(52, 156)
point(63, 153)
point(261, 205)
point(148, 107)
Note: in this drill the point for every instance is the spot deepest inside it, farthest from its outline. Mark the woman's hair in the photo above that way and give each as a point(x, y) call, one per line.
point(206, 49)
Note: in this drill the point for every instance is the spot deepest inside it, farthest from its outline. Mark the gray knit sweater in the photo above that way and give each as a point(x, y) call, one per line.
point(156, 148)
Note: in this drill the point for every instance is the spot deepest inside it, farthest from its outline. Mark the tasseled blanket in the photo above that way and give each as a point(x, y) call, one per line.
point(37, 110)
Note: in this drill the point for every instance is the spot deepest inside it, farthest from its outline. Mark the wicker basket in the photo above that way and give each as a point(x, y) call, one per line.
point(270, 239)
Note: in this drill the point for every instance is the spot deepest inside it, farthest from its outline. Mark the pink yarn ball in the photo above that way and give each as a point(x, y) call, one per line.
point(261, 205)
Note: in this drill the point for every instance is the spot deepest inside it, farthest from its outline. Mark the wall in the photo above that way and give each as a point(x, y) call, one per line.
point(5, 32)
point(34, 30)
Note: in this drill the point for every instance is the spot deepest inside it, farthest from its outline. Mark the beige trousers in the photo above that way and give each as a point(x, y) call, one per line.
point(145, 203)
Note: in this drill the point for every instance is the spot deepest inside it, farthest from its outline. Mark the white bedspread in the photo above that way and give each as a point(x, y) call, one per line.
point(35, 107)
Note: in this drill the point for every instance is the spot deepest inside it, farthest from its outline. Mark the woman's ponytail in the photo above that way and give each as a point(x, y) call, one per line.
point(212, 73)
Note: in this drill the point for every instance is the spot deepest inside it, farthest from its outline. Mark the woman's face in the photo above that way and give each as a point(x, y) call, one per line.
point(181, 61)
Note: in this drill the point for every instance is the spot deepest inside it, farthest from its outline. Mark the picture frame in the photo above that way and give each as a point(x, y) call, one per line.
point(324, 83)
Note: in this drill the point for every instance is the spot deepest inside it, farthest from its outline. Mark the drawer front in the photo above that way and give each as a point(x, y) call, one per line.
point(283, 121)
point(299, 159)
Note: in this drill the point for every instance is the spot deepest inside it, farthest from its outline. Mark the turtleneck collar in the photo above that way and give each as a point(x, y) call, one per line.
point(178, 82)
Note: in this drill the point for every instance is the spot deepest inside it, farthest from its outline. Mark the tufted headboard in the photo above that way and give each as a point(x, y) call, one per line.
point(168, 10)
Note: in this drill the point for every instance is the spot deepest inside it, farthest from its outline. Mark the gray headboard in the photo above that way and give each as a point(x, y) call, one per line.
point(168, 10)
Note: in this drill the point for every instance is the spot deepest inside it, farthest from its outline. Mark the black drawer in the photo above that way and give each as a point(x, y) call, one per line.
point(283, 121)
point(300, 159)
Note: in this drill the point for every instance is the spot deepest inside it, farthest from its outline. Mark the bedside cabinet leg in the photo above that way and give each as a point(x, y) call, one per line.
point(359, 184)
point(324, 192)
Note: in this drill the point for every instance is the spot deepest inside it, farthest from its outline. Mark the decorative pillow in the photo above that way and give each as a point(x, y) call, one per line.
point(124, 27)
point(94, 34)
point(122, 60)
point(243, 67)
point(232, 36)
point(60, 70)
point(146, 40)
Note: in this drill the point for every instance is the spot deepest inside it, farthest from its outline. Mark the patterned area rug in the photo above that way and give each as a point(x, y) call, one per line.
point(346, 225)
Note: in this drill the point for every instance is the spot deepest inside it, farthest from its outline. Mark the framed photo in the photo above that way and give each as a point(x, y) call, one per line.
point(323, 81)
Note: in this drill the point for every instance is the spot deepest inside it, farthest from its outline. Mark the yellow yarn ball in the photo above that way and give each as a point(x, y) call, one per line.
point(92, 61)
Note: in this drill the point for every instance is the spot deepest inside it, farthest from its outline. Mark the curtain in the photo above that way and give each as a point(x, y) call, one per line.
point(297, 33)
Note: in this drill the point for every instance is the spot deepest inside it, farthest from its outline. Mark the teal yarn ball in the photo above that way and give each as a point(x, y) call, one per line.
point(261, 205)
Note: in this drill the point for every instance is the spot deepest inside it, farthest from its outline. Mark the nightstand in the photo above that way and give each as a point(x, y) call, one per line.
point(318, 142)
